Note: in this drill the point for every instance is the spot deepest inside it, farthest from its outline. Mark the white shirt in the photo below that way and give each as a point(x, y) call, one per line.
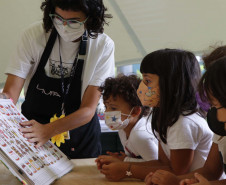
point(141, 142)
point(221, 142)
point(99, 61)
point(189, 132)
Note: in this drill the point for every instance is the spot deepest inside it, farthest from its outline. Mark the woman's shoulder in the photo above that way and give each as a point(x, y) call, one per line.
point(102, 39)
point(35, 31)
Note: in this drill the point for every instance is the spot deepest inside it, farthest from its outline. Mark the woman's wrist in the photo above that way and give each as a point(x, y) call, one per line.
point(3, 96)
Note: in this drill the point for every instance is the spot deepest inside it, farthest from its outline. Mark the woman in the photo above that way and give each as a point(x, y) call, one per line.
point(61, 62)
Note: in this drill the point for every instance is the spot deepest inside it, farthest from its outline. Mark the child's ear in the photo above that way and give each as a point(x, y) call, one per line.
point(136, 111)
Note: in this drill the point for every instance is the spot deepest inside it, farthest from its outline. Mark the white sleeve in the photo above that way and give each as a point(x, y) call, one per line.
point(132, 159)
point(20, 63)
point(184, 134)
point(145, 144)
point(106, 66)
point(216, 138)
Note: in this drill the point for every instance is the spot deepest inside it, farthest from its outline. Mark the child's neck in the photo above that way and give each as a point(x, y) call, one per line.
point(130, 126)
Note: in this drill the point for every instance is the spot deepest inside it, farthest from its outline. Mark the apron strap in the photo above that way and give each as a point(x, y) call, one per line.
point(82, 48)
point(48, 50)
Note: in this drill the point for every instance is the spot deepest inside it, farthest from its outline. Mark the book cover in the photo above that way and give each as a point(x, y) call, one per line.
point(35, 166)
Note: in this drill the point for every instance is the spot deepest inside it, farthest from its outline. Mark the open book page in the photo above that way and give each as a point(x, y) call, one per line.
point(41, 165)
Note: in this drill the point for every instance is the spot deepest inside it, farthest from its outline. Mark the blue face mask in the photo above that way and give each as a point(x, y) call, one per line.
point(216, 126)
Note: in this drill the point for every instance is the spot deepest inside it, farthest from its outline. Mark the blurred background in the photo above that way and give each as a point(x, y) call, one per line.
point(138, 27)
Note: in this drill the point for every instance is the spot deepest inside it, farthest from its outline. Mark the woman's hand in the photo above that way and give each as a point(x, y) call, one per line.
point(35, 132)
point(115, 171)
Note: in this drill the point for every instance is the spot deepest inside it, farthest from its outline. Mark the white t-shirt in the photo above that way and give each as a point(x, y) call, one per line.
point(141, 144)
point(221, 142)
point(99, 60)
point(189, 132)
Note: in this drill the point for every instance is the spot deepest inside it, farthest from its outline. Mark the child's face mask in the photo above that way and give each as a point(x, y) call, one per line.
point(149, 96)
point(218, 127)
point(113, 120)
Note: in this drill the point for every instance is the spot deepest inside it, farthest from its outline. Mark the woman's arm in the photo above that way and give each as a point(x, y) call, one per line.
point(40, 133)
point(13, 87)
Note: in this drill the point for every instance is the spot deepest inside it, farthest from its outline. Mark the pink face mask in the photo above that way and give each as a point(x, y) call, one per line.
point(149, 96)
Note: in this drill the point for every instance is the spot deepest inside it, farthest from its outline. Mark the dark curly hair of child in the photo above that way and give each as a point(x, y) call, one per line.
point(94, 10)
point(124, 87)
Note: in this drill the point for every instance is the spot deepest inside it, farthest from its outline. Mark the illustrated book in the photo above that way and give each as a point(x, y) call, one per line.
point(31, 165)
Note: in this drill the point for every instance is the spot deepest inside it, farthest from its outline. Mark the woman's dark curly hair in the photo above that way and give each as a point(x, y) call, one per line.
point(124, 87)
point(94, 9)
point(179, 74)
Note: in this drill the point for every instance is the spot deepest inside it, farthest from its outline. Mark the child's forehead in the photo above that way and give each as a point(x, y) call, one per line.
point(150, 75)
point(115, 100)
point(112, 98)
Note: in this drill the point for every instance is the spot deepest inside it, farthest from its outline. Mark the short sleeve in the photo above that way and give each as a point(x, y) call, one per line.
point(145, 144)
point(184, 134)
point(216, 138)
point(20, 63)
point(106, 66)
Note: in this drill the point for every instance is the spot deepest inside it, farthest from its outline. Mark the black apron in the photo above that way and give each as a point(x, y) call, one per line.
point(44, 99)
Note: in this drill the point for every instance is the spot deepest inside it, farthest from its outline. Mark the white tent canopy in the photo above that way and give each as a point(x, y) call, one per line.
point(138, 26)
point(142, 26)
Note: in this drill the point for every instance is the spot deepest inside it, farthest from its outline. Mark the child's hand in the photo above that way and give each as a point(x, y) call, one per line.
point(121, 156)
point(115, 171)
point(199, 179)
point(188, 181)
point(113, 154)
point(105, 159)
point(147, 179)
point(161, 177)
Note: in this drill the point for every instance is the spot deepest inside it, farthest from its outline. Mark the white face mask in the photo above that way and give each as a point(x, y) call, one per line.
point(113, 120)
point(69, 34)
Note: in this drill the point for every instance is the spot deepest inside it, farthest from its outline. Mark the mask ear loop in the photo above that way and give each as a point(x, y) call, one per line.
point(128, 115)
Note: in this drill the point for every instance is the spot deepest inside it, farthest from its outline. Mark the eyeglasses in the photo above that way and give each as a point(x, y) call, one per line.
point(72, 23)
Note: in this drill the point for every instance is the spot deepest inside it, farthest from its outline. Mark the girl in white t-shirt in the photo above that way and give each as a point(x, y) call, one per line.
point(170, 78)
point(125, 113)
point(212, 86)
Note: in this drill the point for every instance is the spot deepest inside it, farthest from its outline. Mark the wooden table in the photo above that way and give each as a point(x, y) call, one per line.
point(84, 173)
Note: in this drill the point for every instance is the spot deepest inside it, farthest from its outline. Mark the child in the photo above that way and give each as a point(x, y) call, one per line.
point(170, 78)
point(212, 86)
point(125, 113)
point(208, 59)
